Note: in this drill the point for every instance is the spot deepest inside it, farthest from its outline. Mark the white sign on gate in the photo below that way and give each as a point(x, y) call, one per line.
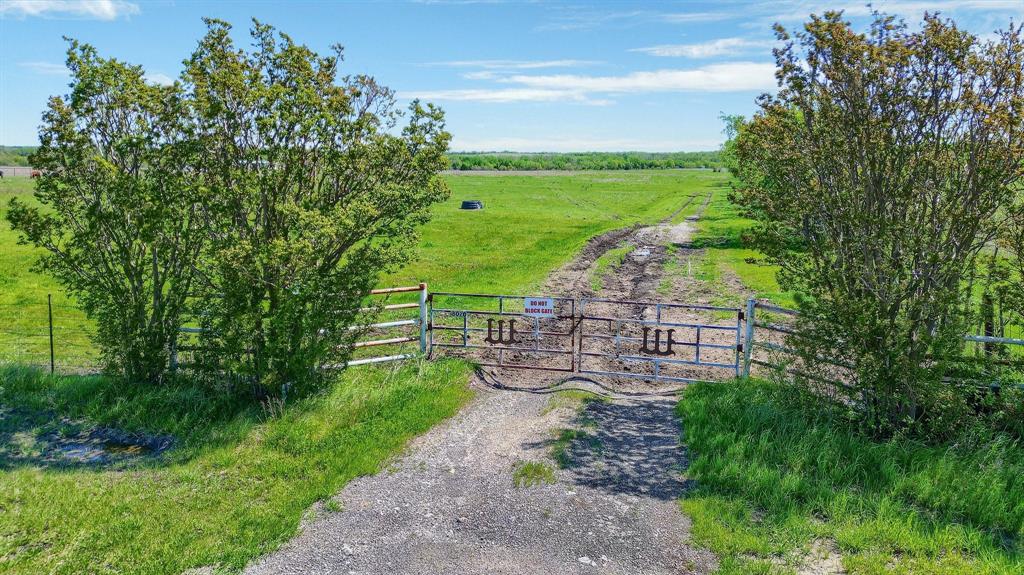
point(539, 307)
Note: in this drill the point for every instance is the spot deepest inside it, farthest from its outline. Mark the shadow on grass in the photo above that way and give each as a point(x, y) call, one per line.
point(96, 422)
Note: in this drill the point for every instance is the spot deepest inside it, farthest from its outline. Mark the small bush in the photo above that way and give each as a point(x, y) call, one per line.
point(530, 473)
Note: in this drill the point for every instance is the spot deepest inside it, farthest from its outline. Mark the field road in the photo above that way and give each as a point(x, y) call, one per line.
point(449, 505)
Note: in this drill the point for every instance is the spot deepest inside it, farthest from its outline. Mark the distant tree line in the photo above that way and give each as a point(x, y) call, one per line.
point(470, 161)
point(15, 155)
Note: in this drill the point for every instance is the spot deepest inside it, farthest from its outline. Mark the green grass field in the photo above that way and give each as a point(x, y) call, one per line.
point(243, 475)
point(720, 231)
point(530, 225)
point(772, 482)
point(773, 479)
point(24, 332)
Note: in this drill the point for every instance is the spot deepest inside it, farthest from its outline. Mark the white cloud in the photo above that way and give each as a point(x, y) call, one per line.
point(797, 10)
point(719, 47)
point(46, 68)
point(89, 9)
point(499, 95)
point(514, 64)
point(594, 90)
point(480, 75)
point(728, 77)
point(158, 78)
point(581, 144)
point(688, 17)
point(574, 19)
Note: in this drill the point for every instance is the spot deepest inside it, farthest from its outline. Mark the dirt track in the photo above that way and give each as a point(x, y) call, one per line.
point(450, 506)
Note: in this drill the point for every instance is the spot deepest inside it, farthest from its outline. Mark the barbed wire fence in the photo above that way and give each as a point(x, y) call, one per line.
point(58, 337)
point(46, 335)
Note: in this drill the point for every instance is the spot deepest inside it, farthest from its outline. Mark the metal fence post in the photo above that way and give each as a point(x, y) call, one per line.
point(423, 318)
point(748, 338)
point(174, 355)
point(49, 313)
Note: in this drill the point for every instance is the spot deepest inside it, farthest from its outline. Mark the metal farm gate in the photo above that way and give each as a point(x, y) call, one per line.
point(659, 341)
point(503, 331)
point(654, 341)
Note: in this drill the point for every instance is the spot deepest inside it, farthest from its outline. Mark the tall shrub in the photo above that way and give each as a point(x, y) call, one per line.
point(260, 196)
point(119, 224)
point(314, 192)
point(878, 173)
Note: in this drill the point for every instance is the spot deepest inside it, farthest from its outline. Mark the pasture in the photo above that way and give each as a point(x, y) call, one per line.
point(242, 475)
point(773, 485)
point(531, 224)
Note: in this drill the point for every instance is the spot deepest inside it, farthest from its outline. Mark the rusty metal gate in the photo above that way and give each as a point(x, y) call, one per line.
point(658, 341)
point(497, 331)
point(654, 341)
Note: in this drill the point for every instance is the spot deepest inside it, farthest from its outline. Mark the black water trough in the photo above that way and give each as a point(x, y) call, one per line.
point(472, 205)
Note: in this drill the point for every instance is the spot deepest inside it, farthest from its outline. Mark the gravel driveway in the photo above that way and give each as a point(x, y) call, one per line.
point(450, 506)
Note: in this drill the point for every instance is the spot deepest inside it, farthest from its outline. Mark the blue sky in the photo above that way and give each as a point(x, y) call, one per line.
point(526, 76)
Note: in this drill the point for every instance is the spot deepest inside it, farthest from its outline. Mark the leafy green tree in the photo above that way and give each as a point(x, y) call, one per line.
point(733, 126)
point(119, 224)
point(879, 173)
point(313, 193)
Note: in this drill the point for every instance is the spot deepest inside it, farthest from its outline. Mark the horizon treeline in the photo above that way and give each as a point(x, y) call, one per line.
point(469, 161)
point(15, 155)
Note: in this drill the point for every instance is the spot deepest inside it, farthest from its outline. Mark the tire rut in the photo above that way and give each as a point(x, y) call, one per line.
point(450, 506)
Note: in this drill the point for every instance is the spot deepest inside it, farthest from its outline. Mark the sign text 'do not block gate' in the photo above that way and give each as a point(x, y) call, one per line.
point(504, 331)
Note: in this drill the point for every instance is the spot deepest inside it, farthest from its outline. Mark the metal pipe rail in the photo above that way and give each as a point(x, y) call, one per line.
point(420, 320)
point(751, 341)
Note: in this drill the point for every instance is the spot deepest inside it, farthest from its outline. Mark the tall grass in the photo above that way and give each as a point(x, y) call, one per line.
point(772, 477)
point(236, 486)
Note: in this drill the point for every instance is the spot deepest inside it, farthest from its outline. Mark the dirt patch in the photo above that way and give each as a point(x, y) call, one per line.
point(573, 277)
point(823, 559)
point(634, 285)
point(518, 483)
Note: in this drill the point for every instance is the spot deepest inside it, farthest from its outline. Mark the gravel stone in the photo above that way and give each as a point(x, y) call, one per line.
point(423, 519)
point(449, 506)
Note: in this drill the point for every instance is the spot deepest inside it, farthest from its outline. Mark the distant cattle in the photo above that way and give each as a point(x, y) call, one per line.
point(35, 174)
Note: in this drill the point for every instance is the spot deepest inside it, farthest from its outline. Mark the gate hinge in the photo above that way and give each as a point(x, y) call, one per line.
point(739, 347)
point(742, 315)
